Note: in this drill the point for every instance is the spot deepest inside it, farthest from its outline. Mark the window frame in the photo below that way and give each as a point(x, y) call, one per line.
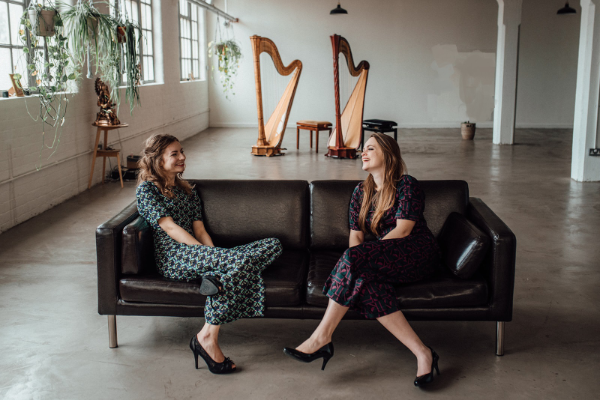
point(201, 21)
point(30, 81)
point(116, 4)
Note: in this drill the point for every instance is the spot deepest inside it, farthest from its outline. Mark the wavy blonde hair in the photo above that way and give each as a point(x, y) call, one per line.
point(151, 165)
point(395, 168)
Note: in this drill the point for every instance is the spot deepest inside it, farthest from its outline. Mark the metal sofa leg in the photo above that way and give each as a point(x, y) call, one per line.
point(112, 331)
point(500, 338)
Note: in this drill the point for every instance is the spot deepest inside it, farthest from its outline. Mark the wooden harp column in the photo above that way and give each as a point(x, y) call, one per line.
point(346, 136)
point(271, 134)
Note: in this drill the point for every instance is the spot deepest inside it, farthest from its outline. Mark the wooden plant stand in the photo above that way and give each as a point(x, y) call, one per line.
point(105, 153)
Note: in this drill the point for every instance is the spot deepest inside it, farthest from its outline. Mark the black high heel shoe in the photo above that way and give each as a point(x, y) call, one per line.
point(211, 286)
point(325, 352)
point(423, 380)
point(224, 367)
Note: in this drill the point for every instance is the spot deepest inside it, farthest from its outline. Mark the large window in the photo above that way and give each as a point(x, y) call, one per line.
point(191, 41)
point(140, 12)
point(12, 60)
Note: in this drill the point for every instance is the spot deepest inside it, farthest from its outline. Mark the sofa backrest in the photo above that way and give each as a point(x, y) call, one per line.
point(330, 200)
point(238, 212)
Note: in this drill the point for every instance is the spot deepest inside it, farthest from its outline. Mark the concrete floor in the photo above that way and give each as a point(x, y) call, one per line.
point(54, 345)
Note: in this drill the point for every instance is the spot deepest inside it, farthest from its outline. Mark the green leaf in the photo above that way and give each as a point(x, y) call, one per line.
point(64, 78)
point(72, 76)
point(25, 50)
point(31, 67)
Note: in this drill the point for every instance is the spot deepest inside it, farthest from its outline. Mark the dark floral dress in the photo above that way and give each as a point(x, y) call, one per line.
point(364, 277)
point(239, 268)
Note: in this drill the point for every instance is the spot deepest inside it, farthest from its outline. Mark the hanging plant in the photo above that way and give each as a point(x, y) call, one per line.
point(132, 40)
point(228, 54)
point(49, 65)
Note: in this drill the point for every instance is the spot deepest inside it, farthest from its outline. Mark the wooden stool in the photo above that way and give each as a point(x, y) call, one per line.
point(312, 126)
point(105, 153)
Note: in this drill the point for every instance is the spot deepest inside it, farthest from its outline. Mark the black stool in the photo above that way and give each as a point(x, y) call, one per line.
point(378, 125)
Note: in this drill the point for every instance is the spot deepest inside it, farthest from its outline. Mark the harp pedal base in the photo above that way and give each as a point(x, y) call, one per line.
point(267, 151)
point(341, 152)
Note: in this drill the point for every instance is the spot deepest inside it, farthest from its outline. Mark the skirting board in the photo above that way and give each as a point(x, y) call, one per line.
point(426, 125)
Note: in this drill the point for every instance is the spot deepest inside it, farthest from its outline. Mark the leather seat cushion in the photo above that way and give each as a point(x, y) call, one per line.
point(284, 285)
point(463, 245)
point(443, 290)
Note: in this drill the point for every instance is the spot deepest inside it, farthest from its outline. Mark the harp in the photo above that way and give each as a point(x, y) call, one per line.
point(271, 134)
point(346, 136)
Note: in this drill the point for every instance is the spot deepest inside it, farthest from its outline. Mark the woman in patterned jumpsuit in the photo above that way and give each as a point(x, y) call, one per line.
point(390, 205)
point(185, 251)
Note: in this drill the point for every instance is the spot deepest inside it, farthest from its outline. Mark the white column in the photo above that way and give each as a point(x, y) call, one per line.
point(585, 126)
point(507, 56)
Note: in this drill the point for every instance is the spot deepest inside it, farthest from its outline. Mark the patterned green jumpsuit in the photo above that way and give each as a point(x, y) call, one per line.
point(239, 268)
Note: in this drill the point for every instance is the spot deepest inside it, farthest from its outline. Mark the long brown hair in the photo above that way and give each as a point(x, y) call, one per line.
point(384, 199)
point(151, 165)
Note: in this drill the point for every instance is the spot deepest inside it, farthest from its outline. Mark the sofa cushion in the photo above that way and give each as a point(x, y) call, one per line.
point(138, 247)
point(463, 245)
point(237, 212)
point(284, 285)
point(330, 201)
point(440, 291)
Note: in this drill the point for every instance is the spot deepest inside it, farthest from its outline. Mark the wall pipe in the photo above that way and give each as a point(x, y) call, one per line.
point(214, 9)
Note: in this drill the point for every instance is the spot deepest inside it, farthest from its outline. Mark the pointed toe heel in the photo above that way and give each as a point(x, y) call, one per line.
point(426, 379)
point(325, 352)
point(224, 367)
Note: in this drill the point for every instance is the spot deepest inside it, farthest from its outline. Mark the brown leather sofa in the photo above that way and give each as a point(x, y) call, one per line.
point(311, 220)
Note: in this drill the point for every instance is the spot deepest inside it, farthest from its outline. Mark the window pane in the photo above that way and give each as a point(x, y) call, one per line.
point(20, 65)
point(134, 13)
point(15, 21)
point(147, 17)
point(196, 70)
point(183, 7)
point(188, 49)
point(6, 69)
point(150, 71)
point(195, 49)
point(4, 34)
point(194, 12)
point(148, 47)
point(195, 30)
point(144, 68)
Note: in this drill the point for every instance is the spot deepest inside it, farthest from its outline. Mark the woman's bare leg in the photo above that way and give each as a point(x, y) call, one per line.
point(209, 339)
point(322, 335)
point(397, 324)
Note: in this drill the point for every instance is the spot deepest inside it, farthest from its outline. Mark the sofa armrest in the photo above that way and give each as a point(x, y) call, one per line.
point(108, 253)
point(499, 264)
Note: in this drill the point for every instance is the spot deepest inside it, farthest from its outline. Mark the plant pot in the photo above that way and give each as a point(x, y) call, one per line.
point(92, 23)
point(121, 34)
point(42, 23)
point(467, 130)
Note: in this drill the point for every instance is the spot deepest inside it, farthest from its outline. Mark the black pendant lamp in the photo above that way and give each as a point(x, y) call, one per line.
point(338, 10)
point(566, 9)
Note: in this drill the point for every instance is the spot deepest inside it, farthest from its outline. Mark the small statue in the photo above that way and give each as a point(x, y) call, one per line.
point(107, 114)
point(138, 74)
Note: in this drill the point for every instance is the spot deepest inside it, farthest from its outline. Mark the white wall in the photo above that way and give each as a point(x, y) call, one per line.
point(171, 107)
point(430, 59)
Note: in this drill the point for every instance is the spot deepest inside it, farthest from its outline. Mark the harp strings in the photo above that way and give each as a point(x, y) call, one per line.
point(273, 85)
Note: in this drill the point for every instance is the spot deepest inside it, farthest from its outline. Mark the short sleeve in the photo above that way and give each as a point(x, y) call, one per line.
point(355, 203)
point(196, 206)
point(150, 203)
point(411, 200)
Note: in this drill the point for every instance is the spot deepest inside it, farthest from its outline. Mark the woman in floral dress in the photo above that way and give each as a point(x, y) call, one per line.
point(184, 250)
point(390, 205)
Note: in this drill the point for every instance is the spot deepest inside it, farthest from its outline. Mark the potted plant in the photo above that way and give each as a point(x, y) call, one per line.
point(467, 130)
point(50, 71)
point(42, 19)
point(228, 55)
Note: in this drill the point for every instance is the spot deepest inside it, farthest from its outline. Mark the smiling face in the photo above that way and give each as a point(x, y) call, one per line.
point(173, 159)
point(372, 156)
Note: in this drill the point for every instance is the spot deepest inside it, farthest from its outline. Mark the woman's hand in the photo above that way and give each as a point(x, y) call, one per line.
point(356, 238)
point(403, 228)
point(201, 234)
point(176, 232)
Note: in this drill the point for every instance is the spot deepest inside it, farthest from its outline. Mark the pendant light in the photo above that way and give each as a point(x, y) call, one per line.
point(338, 10)
point(566, 9)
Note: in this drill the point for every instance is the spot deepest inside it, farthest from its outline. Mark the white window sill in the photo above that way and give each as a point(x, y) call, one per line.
point(191, 81)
